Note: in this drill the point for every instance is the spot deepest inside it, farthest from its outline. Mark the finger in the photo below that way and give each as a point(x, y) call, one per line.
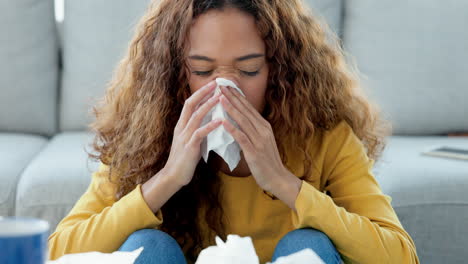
point(244, 123)
point(239, 136)
point(200, 113)
point(205, 99)
point(192, 102)
point(239, 106)
point(241, 102)
point(203, 131)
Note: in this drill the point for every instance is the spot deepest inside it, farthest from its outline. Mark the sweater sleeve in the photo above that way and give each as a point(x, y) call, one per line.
point(99, 223)
point(356, 216)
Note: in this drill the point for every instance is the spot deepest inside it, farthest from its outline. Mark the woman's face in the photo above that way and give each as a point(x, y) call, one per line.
point(227, 44)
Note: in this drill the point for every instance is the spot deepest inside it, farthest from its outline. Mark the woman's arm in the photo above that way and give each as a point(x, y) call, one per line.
point(99, 223)
point(356, 216)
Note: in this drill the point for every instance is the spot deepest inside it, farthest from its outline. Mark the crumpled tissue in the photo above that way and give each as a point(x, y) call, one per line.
point(219, 140)
point(241, 250)
point(94, 257)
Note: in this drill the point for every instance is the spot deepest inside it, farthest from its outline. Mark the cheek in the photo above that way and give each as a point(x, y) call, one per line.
point(255, 93)
point(195, 83)
point(260, 89)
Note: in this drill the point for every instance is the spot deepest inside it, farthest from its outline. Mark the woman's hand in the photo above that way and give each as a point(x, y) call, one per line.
point(188, 135)
point(255, 138)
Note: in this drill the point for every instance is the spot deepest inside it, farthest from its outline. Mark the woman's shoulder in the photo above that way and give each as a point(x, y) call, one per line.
point(323, 146)
point(343, 146)
point(103, 182)
point(101, 172)
point(342, 136)
point(340, 128)
point(324, 138)
point(105, 170)
point(316, 147)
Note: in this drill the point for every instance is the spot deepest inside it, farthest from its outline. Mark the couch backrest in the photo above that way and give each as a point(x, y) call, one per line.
point(28, 67)
point(414, 55)
point(95, 36)
point(331, 11)
point(415, 67)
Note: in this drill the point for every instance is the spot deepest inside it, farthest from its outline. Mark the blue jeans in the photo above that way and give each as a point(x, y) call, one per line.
point(161, 248)
point(299, 239)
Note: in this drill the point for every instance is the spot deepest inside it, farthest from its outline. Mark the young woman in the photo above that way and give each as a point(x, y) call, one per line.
point(309, 139)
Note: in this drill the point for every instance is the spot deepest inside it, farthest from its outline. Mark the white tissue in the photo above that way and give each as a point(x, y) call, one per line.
point(241, 250)
point(219, 140)
point(94, 257)
point(236, 250)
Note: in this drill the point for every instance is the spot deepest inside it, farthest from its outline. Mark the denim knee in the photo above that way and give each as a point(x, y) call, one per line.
point(159, 247)
point(302, 238)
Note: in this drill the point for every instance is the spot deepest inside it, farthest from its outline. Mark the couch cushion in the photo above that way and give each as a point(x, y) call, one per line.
point(414, 55)
point(53, 182)
point(16, 151)
point(28, 66)
point(429, 195)
point(95, 36)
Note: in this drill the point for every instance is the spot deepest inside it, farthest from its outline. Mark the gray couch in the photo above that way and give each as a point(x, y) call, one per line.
point(413, 56)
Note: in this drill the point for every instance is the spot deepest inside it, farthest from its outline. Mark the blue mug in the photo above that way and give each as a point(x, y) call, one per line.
point(23, 240)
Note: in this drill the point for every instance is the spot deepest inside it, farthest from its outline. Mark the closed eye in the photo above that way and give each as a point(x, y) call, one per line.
point(250, 73)
point(202, 72)
point(205, 73)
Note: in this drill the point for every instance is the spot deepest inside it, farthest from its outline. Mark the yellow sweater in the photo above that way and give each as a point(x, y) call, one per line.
point(341, 198)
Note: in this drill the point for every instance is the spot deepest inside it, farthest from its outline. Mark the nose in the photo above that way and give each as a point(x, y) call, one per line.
point(227, 72)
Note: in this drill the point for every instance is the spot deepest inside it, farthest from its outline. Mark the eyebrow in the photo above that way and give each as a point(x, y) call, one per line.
point(243, 58)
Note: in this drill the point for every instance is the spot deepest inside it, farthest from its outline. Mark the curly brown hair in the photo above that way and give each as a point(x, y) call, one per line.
point(310, 87)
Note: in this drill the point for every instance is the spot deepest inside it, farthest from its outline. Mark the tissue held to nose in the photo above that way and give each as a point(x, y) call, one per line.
point(219, 140)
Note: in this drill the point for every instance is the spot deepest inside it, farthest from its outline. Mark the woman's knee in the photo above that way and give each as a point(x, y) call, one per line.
point(157, 245)
point(299, 239)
